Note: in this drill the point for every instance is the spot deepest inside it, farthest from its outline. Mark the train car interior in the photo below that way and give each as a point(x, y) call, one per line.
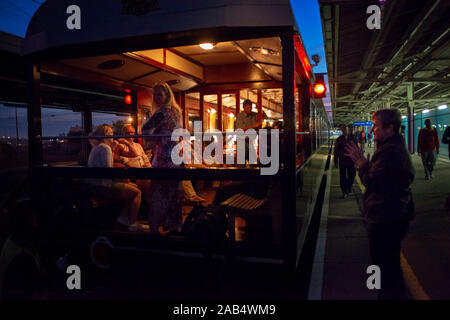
point(226, 207)
point(209, 83)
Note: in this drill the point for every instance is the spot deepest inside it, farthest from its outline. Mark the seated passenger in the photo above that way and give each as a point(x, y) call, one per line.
point(140, 160)
point(102, 156)
point(123, 148)
point(189, 192)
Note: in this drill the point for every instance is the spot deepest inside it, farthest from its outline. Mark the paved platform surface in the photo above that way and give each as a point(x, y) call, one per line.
point(344, 254)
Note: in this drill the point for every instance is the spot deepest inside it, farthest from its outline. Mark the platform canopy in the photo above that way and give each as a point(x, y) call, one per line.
point(405, 64)
point(103, 21)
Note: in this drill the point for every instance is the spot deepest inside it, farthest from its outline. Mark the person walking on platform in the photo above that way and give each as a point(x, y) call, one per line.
point(388, 203)
point(358, 136)
point(369, 138)
point(347, 169)
point(403, 134)
point(428, 148)
point(446, 139)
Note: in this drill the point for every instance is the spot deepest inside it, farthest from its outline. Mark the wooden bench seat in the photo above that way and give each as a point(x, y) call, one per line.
point(245, 206)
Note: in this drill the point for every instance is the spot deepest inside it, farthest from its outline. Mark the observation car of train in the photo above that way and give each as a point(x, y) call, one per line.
point(106, 62)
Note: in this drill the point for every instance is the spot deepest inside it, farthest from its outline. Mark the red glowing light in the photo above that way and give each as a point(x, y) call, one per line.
point(128, 99)
point(127, 90)
point(319, 88)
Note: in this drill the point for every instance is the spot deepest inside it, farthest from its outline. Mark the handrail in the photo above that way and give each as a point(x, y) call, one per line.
point(147, 135)
point(159, 173)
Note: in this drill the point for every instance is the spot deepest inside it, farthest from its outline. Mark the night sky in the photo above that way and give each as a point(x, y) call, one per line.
point(16, 14)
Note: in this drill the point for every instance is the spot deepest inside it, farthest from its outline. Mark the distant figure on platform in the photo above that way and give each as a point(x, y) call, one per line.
point(403, 133)
point(428, 148)
point(446, 139)
point(347, 169)
point(369, 138)
point(359, 137)
point(388, 204)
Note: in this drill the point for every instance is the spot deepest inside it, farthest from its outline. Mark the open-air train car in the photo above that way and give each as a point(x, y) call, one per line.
point(112, 61)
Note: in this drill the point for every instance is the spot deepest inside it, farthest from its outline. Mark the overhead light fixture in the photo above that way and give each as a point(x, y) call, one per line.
point(264, 51)
point(173, 82)
point(111, 64)
point(425, 110)
point(403, 117)
point(130, 119)
point(444, 106)
point(415, 114)
point(207, 45)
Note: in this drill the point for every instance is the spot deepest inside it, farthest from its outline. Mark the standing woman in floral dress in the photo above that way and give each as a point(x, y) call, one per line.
point(165, 209)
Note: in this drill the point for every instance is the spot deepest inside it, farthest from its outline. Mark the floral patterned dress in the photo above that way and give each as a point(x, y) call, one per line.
point(165, 209)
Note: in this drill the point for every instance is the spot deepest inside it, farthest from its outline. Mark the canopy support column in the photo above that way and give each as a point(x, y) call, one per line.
point(410, 138)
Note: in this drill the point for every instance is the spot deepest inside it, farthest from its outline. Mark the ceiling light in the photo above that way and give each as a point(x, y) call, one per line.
point(111, 64)
point(444, 106)
point(207, 45)
point(264, 51)
point(403, 117)
point(173, 82)
point(425, 110)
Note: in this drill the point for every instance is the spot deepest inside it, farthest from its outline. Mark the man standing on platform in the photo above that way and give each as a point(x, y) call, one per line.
point(388, 204)
point(347, 169)
point(427, 145)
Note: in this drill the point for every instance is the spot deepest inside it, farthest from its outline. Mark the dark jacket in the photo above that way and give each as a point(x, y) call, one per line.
point(339, 150)
point(387, 179)
point(446, 138)
point(428, 140)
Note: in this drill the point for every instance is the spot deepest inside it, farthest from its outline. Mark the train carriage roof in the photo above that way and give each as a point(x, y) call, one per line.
point(126, 19)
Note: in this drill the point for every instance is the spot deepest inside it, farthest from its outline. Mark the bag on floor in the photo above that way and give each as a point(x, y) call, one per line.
point(206, 226)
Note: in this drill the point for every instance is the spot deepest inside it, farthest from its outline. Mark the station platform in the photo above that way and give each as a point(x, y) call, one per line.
point(342, 250)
